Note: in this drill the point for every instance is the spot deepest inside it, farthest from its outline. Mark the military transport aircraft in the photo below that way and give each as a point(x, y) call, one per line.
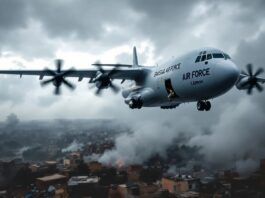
point(198, 76)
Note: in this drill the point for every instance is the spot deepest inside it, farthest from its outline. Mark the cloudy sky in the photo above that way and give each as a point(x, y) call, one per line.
point(33, 33)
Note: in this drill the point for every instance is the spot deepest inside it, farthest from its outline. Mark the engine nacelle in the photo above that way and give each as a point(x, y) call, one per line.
point(102, 81)
point(139, 98)
point(242, 83)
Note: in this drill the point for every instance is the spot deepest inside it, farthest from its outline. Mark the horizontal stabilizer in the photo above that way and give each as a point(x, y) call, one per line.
point(111, 65)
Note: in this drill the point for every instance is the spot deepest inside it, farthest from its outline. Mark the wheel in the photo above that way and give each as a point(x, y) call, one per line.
point(200, 105)
point(207, 106)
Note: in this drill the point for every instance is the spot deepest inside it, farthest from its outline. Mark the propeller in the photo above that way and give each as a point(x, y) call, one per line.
point(103, 79)
point(58, 77)
point(252, 79)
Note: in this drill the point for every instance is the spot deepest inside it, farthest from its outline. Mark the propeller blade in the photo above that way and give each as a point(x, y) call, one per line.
point(249, 91)
point(243, 72)
point(258, 72)
point(259, 87)
point(59, 63)
point(57, 90)
point(114, 87)
point(98, 92)
point(250, 69)
point(68, 84)
point(90, 80)
point(46, 82)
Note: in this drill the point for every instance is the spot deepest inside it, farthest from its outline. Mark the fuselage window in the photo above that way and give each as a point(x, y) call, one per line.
point(209, 56)
point(203, 58)
point(218, 55)
point(227, 56)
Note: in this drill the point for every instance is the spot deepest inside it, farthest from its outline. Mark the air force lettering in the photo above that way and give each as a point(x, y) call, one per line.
point(196, 74)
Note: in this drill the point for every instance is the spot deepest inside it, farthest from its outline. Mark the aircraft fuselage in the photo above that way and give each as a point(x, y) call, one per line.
point(186, 80)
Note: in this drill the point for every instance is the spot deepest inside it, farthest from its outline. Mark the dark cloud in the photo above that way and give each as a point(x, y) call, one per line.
point(250, 51)
point(82, 20)
point(13, 14)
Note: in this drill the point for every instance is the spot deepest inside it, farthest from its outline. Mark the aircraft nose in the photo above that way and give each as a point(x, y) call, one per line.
point(231, 73)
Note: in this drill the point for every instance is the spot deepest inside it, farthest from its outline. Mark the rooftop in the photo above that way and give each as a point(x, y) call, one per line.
point(82, 180)
point(51, 177)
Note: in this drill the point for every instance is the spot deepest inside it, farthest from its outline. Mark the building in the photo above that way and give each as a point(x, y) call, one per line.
point(124, 191)
point(189, 194)
point(72, 160)
point(180, 184)
point(83, 186)
point(45, 182)
point(3, 194)
point(95, 166)
point(133, 172)
point(34, 168)
point(175, 185)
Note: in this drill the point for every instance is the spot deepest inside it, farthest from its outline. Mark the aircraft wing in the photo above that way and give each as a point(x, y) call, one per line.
point(131, 73)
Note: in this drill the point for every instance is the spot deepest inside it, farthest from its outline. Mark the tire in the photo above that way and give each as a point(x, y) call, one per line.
point(200, 106)
point(207, 106)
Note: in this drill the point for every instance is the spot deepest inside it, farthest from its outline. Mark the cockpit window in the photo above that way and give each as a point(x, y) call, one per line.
point(209, 56)
point(218, 55)
point(227, 56)
point(203, 57)
point(198, 59)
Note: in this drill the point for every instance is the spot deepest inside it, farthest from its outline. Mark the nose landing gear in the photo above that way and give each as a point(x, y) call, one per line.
point(203, 106)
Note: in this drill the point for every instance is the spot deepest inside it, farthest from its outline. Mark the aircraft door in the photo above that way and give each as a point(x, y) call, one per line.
point(170, 91)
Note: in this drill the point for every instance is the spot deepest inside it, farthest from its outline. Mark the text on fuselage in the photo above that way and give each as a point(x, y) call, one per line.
point(196, 74)
point(168, 69)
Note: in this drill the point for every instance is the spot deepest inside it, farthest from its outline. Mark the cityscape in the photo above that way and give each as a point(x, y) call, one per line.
point(61, 159)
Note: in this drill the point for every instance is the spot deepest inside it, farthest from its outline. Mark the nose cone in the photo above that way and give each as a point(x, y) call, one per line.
point(233, 72)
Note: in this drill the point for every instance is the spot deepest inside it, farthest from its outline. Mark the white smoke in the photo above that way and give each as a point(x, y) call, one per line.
point(238, 137)
point(73, 147)
point(149, 139)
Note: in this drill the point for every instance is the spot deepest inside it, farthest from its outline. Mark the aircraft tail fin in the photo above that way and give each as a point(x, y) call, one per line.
point(135, 59)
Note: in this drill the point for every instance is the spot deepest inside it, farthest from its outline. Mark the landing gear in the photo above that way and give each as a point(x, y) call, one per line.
point(203, 106)
point(133, 104)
